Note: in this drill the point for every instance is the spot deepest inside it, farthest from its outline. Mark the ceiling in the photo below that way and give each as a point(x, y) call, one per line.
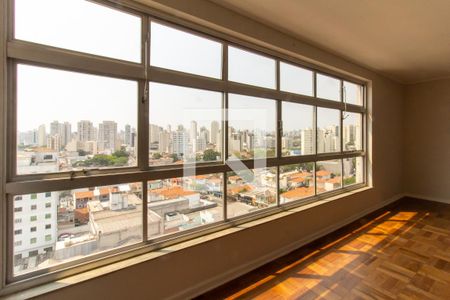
point(406, 40)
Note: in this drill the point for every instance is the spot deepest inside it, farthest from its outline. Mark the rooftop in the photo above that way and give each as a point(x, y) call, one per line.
point(300, 192)
point(172, 192)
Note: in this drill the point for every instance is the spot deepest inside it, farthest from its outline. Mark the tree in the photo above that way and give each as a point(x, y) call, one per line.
point(309, 166)
point(101, 160)
point(349, 180)
point(121, 153)
point(174, 157)
point(118, 158)
point(82, 152)
point(288, 168)
point(270, 152)
point(156, 155)
point(210, 155)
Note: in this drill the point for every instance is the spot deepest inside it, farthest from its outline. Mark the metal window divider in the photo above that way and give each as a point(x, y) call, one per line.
point(143, 117)
point(224, 130)
point(278, 132)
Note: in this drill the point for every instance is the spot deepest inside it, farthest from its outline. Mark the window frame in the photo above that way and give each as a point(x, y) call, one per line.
point(42, 55)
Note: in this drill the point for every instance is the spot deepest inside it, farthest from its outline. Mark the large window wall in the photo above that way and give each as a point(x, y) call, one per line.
point(140, 132)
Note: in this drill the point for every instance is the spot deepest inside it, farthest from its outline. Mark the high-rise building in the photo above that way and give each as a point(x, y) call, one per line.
point(286, 142)
point(66, 133)
point(35, 224)
point(133, 137)
point(54, 142)
point(164, 141)
point(154, 131)
point(86, 131)
point(180, 141)
point(29, 137)
point(127, 135)
point(64, 130)
point(235, 143)
point(215, 127)
point(42, 136)
point(205, 133)
point(307, 141)
point(107, 136)
point(193, 131)
point(250, 140)
point(218, 140)
point(90, 147)
point(200, 144)
point(54, 128)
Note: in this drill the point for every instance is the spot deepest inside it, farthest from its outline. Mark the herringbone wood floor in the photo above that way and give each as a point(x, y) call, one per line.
point(399, 252)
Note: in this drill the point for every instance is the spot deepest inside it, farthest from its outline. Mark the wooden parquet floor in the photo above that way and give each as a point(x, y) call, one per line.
point(399, 252)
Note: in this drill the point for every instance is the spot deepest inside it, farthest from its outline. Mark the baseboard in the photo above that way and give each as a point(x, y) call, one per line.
point(428, 198)
point(229, 275)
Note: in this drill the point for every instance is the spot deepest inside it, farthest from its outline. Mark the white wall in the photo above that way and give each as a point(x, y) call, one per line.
point(427, 140)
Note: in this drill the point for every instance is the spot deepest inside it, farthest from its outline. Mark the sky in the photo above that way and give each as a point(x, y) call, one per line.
point(45, 95)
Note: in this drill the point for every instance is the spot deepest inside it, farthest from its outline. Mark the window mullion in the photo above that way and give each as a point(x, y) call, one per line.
point(279, 131)
point(225, 125)
point(143, 131)
point(143, 104)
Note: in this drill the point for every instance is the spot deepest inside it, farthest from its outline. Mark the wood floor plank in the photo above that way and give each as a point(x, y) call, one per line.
point(399, 252)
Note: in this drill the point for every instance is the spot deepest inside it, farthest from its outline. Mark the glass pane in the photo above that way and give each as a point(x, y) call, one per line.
point(328, 130)
point(296, 80)
point(181, 51)
point(328, 175)
point(177, 204)
point(353, 171)
point(296, 182)
point(71, 121)
point(251, 190)
point(250, 68)
point(251, 122)
point(352, 131)
point(328, 88)
point(353, 93)
point(81, 26)
point(298, 129)
point(77, 223)
point(185, 125)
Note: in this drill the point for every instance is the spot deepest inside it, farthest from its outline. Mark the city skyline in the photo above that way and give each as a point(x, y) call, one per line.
point(81, 97)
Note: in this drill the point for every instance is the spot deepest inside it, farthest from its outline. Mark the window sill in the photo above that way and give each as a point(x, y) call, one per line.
point(116, 266)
